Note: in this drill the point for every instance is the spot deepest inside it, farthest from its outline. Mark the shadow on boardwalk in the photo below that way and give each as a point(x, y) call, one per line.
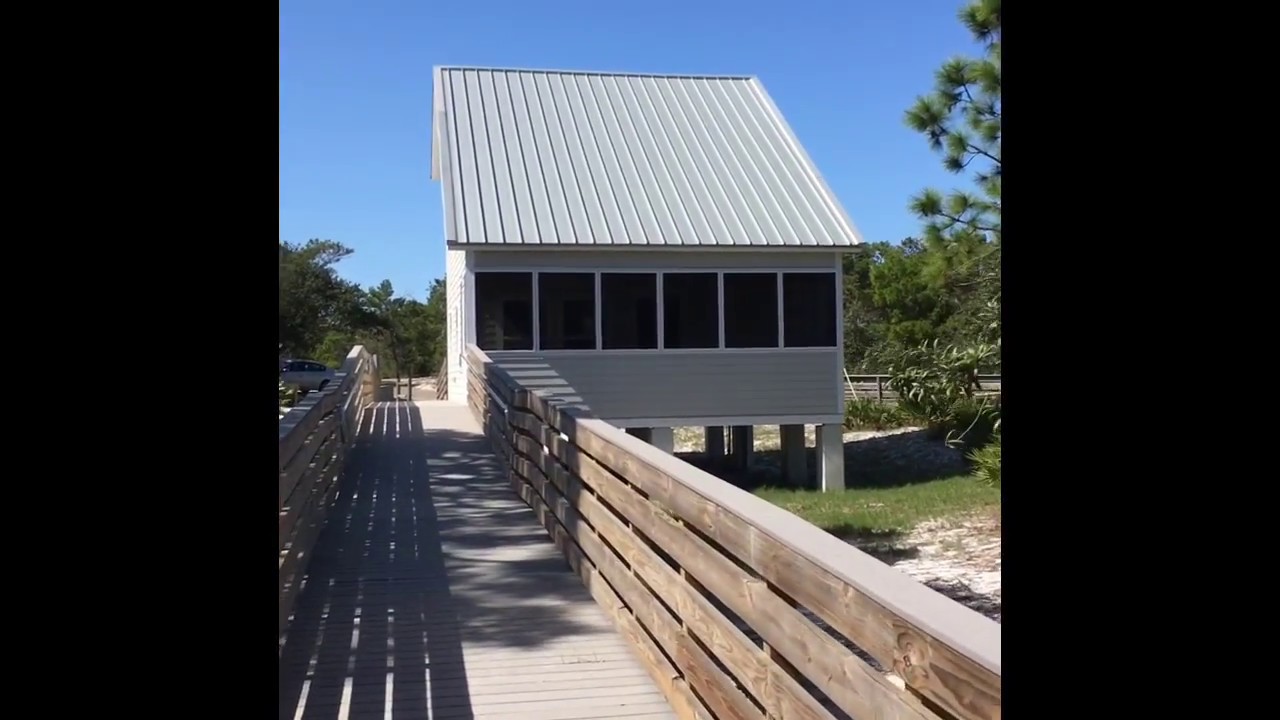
point(416, 560)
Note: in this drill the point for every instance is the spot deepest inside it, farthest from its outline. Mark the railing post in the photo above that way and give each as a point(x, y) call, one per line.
point(880, 388)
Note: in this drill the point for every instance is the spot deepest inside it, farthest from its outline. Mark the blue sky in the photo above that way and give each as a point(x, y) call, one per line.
point(355, 99)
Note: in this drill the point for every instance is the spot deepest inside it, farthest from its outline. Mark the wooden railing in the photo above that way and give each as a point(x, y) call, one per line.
point(314, 439)
point(442, 378)
point(738, 608)
point(876, 387)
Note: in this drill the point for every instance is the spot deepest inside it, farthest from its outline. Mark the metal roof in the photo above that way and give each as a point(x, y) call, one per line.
point(547, 158)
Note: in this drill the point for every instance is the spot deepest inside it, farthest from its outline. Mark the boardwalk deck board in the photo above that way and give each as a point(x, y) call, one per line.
point(434, 592)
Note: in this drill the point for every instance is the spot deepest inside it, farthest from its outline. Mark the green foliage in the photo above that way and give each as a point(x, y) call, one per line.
point(314, 300)
point(986, 462)
point(868, 414)
point(335, 346)
point(936, 385)
point(932, 373)
point(977, 421)
point(899, 296)
point(961, 119)
point(958, 265)
point(323, 315)
point(288, 395)
point(411, 332)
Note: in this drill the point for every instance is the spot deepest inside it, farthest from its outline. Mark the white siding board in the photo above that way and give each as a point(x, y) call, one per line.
point(455, 323)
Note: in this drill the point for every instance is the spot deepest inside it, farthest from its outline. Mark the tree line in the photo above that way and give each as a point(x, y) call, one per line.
point(941, 295)
point(323, 315)
point(944, 286)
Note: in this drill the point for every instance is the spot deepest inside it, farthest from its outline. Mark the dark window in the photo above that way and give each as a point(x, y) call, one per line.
point(809, 309)
point(504, 310)
point(629, 311)
point(750, 310)
point(691, 310)
point(567, 311)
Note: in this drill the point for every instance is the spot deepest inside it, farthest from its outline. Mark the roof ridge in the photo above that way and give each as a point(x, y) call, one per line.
point(615, 73)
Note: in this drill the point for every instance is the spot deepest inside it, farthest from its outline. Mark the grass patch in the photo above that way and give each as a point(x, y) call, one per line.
point(872, 512)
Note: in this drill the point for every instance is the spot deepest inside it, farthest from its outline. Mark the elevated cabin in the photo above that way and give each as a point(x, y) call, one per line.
point(658, 248)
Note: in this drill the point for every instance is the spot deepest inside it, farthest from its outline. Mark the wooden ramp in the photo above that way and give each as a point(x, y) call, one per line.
point(434, 593)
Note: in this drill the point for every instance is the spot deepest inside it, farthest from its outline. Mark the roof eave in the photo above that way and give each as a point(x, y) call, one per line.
point(437, 109)
point(611, 247)
point(815, 172)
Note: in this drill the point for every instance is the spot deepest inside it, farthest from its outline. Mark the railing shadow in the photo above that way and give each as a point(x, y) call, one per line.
point(425, 549)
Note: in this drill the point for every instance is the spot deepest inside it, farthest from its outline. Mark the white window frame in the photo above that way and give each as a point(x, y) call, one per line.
point(661, 306)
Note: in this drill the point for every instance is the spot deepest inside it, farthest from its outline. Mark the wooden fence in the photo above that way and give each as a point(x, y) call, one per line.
point(314, 439)
point(738, 608)
point(442, 378)
point(876, 387)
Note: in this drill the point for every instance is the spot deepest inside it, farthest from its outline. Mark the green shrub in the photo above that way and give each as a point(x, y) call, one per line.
point(867, 414)
point(986, 462)
point(936, 387)
point(974, 422)
point(288, 395)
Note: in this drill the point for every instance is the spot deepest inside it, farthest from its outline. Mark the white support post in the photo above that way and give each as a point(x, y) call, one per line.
point(830, 453)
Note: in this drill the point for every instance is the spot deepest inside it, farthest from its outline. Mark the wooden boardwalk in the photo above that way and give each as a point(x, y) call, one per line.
point(434, 593)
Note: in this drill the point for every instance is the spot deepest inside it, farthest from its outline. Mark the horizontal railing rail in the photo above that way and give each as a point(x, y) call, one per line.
point(738, 608)
point(876, 387)
point(442, 379)
point(314, 439)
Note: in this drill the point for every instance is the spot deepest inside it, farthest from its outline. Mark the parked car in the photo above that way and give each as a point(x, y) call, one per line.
point(306, 375)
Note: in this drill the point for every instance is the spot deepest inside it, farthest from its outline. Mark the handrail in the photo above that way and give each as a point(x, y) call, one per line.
point(876, 386)
point(314, 439)
point(739, 608)
point(442, 381)
point(982, 378)
point(497, 399)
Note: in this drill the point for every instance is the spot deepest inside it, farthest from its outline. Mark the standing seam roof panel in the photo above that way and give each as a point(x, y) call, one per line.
point(806, 197)
point(650, 198)
point(550, 158)
point(774, 177)
point(700, 230)
point(696, 140)
point(746, 173)
point(680, 143)
point(615, 196)
point(628, 216)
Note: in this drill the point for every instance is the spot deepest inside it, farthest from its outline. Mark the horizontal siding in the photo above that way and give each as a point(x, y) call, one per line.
point(655, 259)
point(455, 323)
point(627, 385)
